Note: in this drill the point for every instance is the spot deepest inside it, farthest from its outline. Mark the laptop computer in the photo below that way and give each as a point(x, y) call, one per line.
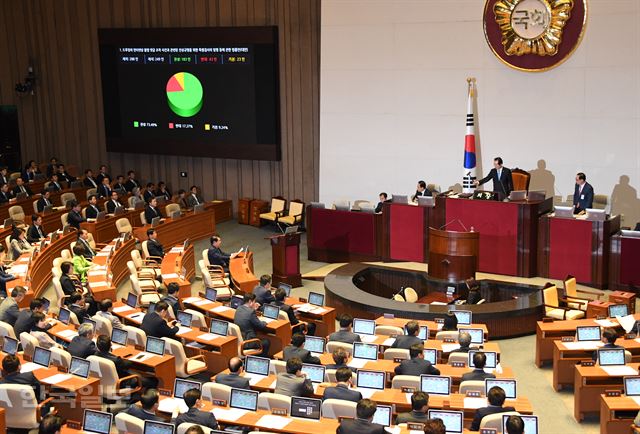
point(611, 357)
point(155, 346)
point(244, 399)
point(198, 208)
point(210, 294)
point(618, 310)
point(305, 408)
point(477, 335)
point(399, 198)
point(236, 300)
point(315, 373)
point(316, 299)
point(180, 386)
point(158, 427)
point(365, 351)
point(508, 385)
point(64, 315)
point(132, 300)
point(101, 216)
point(257, 365)
point(219, 327)
point(370, 379)
point(176, 214)
point(492, 358)
point(464, 316)
point(518, 195)
point(530, 423)
point(426, 201)
point(364, 326)
point(97, 422)
point(119, 211)
point(42, 356)
point(271, 312)
point(184, 318)
point(430, 354)
point(291, 230)
point(563, 211)
point(436, 384)
point(588, 333)
point(155, 221)
point(79, 367)
point(453, 420)
point(287, 288)
point(632, 386)
point(9, 345)
point(382, 416)
point(314, 344)
point(119, 336)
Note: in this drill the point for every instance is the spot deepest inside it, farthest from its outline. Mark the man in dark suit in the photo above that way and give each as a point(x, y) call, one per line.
point(155, 323)
point(246, 318)
point(5, 194)
point(344, 334)
point(75, 217)
point(216, 255)
point(68, 285)
point(102, 173)
point(342, 390)
point(496, 397)
point(83, 240)
point(411, 338)
point(383, 198)
point(131, 181)
point(194, 198)
point(25, 320)
point(82, 345)
point(149, 401)
point(9, 310)
point(77, 306)
point(4, 276)
point(464, 340)
point(233, 378)
point(419, 409)
point(63, 176)
point(103, 345)
point(263, 290)
point(119, 184)
point(89, 181)
point(416, 365)
point(171, 297)
point(182, 199)
point(35, 233)
point(153, 245)
point(114, 202)
point(104, 189)
point(92, 210)
point(152, 211)
point(149, 192)
point(163, 191)
point(52, 167)
point(293, 382)
point(21, 187)
point(478, 374)
point(280, 296)
point(582, 194)
point(421, 191)
point(501, 177)
point(362, 424)
point(54, 185)
point(194, 415)
point(44, 201)
point(11, 375)
point(4, 175)
point(296, 349)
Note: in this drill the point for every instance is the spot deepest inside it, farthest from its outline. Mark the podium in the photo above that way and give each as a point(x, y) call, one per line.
point(285, 254)
point(453, 256)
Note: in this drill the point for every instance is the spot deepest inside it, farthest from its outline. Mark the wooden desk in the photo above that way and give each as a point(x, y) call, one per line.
point(617, 413)
point(105, 230)
point(97, 278)
point(223, 209)
point(623, 262)
point(432, 326)
point(3, 421)
point(175, 231)
point(178, 266)
point(27, 204)
point(241, 272)
point(589, 383)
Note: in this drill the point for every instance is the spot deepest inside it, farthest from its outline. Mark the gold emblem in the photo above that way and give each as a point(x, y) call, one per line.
point(532, 26)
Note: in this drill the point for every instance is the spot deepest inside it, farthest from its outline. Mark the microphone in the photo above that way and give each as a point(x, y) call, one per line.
point(446, 224)
point(453, 221)
point(399, 292)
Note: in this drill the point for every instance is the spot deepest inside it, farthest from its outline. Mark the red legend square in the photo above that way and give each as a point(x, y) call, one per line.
point(171, 125)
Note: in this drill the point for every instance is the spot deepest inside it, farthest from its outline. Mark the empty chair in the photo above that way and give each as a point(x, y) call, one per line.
point(459, 357)
point(396, 353)
point(278, 367)
point(127, 424)
point(60, 357)
point(145, 295)
point(171, 208)
point(398, 297)
point(277, 209)
point(6, 330)
point(441, 336)
point(103, 325)
point(368, 207)
point(433, 187)
point(400, 381)
point(357, 204)
point(35, 206)
point(25, 412)
point(211, 391)
point(146, 267)
point(234, 330)
point(294, 215)
point(552, 305)
point(58, 300)
point(342, 205)
point(147, 281)
point(29, 343)
point(124, 226)
point(66, 198)
point(472, 385)
point(64, 219)
point(185, 366)
point(91, 191)
point(205, 257)
point(110, 384)
point(136, 336)
point(337, 408)
point(600, 201)
point(268, 400)
point(331, 346)
point(389, 330)
point(494, 421)
point(143, 219)
point(16, 213)
point(410, 295)
point(66, 255)
point(571, 292)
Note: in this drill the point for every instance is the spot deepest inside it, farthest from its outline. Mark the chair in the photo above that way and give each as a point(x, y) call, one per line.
point(171, 208)
point(66, 198)
point(110, 384)
point(7, 241)
point(91, 191)
point(268, 400)
point(434, 187)
point(571, 292)
point(521, 179)
point(459, 357)
point(66, 255)
point(472, 385)
point(197, 318)
point(389, 330)
point(143, 219)
point(278, 367)
point(6, 330)
point(35, 206)
point(147, 280)
point(398, 297)
point(600, 201)
point(185, 366)
point(214, 277)
point(494, 421)
point(123, 226)
point(26, 412)
point(145, 268)
point(16, 213)
point(64, 219)
point(277, 209)
point(127, 424)
point(294, 215)
point(205, 257)
point(58, 300)
point(146, 295)
point(211, 391)
point(357, 204)
point(14, 175)
point(338, 408)
point(552, 305)
point(410, 295)
point(400, 381)
point(29, 343)
point(234, 330)
point(441, 336)
point(60, 357)
point(396, 353)
point(136, 336)
point(332, 345)
point(103, 325)
point(343, 205)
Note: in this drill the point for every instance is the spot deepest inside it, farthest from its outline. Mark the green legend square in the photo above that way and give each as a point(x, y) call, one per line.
point(135, 124)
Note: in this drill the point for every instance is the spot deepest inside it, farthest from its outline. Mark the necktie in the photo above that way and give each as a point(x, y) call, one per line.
point(22, 190)
point(46, 202)
point(196, 198)
point(40, 232)
point(499, 173)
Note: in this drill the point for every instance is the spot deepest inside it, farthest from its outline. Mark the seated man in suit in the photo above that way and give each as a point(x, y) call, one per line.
point(170, 296)
point(421, 190)
point(21, 187)
point(91, 211)
point(11, 375)
point(50, 424)
point(131, 181)
point(501, 177)
point(582, 194)
point(82, 345)
point(419, 409)
point(416, 365)
point(25, 320)
point(39, 327)
point(152, 211)
point(52, 167)
point(102, 173)
point(383, 198)
point(149, 192)
point(119, 184)
point(5, 194)
point(75, 217)
point(296, 349)
point(30, 171)
point(163, 191)
point(609, 337)
point(9, 310)
point(78, 306)
point(4, 276)
point(234, 378)
point(293, 382)
point(182, 199)
point(54, 184)
point(4, 175)
point(83, 240)
point(342, 389)
point(155, 324)
point(464, 339)
point(280, 296)
point(194, 198)
point(103, 345)
point(496, 397)
point(450, 323)
point(246, 318)
point(35, 233)
point(63, 176)
point(44, 201)
point(89, 181)
point(194, 414)
point(362, 424)
point(149, 401)
point(153, 245)
point(68, 285)
point(340, 357)
point(105, 310)
point(514, 425)
point(263, 290)
point(216, 255)
point(344, 334)
point(478, 374)
point(411, 338)
point(114, 202)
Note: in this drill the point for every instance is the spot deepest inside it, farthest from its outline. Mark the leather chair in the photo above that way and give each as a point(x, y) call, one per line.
point(472, 385)
point(136, 336)
point(185, 366)
point(6, 330)
point(571, 292)
point(389, 330)
point(278, 204)
point(268, 400)
point(332, 345)
point(127, 424)
point(396, 353)
point(494, 421)
point(60, 357)
point(552, 306)
point(145, 296)
point(171, 208)
point(521, 179)
point(16, 213)
point(26, 412)
point(294, 215)
point(234, 330)
point(29, 343)
point(211, 391)
point(338, 408)
point(66, 198)
point(123, 225)
point(400, 381)
point(111, 386)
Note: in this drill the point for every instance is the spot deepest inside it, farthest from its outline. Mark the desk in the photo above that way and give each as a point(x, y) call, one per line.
point(577, 247)
point(3, 421)
point(105, 230)
point(178, 266)
point(405, 230)
point(97, 278)
point(175, 231)
point(589, 383)
point(27, 204)
point(623, 262)
point(223, 209)
point(432, 326)
point(241, 272)
point(617, 413)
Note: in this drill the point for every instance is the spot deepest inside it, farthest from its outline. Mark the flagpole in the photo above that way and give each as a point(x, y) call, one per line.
point(469, 161)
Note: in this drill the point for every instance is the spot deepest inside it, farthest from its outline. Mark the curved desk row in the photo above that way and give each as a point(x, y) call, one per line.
point(193, 226)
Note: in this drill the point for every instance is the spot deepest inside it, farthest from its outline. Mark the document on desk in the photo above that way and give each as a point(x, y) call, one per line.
point(396, 430)
point(220, 309)
point(636, 399)
point(96, 273)
point(29, 367)
point(168, 405)
point(57, 378)
point(183, 330)
point(627, 322)
point(305, 307)
point(588, 345)
point(366, 392)
point(447, 348)
point(171, 276)
point(357, 363)
point(228, 414)
point(619, 371)
point(200, 302)
point(273, 421)
point(475, 402)
point(368, 338)
point(121, 308)
point(141, 356)
point(318, 311)
point(388, 342)
point(207, 336)
point(605, 323)
point(67, 333)
point(191, 300)
point(136, 316)
point(97, 284)
point(254, 378)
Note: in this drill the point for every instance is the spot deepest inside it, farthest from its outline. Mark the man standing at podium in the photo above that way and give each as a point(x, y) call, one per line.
point(582, 195)
point(501, 177)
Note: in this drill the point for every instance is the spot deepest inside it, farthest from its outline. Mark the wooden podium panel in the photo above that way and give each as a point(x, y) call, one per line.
point(285, 254)
point(624, 259)
point(405, 230)
point(453, 256)
point(223, 209)
point(241, 271)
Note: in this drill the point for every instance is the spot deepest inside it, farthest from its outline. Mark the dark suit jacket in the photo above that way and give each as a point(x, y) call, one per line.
point(344, 336)
point(166, 193)
point(359, 426)
point(155, 248)
point(67, 285)
point(65, 177)
point(263, 295)
point(233, 380)
point(289, 310)
point(82, 347)
point(412, 416)
point(4, 197)
point(89, 252)
point(87, 183)
point(148, 195)
point(424, 193)
point(42, 203)
point(587, 192)
point(122, 365)
point(248, 321)
point(477, 375)
point(218, 257)
point(54, 186)
point(486, 411)
point(91, 211)
point(24, 322)
point(341, 392)
point(154, 325)
point(74, 219)
point(35, 234)
point(305, 355)
point(503, 185)
point(117, 186)
point(4, 278)
point(204, 418)
point(17, 190)
point(416, 366)
point(193, 201)
point(173, 302)
point(292, 385)
point(405, 342)
point(27, 379)
point(104, 191)
point(80, 312)
point(137, 411)
point(100, 176)
point(9, 311)
point(151, 213)
point(111, 206)
point(130, 185)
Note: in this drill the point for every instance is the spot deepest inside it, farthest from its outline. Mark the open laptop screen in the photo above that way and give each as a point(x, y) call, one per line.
point(257, 365)
point(382, 416)
point(316, 299)
point(371, 379)
point(452, 419)
point(211, 294)
point(42, 356)
point(492, 358)
point(97, 422)
point(611, 357)
point(463, 316)
point(132, 300)
point(314, 344)
point(119, 336)
point(508, 385)
point(365, 351)
point(632, 386)
point(9, 345)
point(151, 427)
point(181, 386)
point(364, 326)
point(315, 373)
point(244, 399)
point(155, 346)
point(436, 384)
point(306, 408)
point(219, 327)
point(588, 333)
point(79, 367)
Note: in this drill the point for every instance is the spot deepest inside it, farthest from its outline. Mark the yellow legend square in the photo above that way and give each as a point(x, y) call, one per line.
point(207, 127)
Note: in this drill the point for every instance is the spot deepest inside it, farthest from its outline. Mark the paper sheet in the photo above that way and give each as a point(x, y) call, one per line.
point(228, 414)
point(273, 421)
point(366, 392)
point(318, 311)
point(57, 378)
point(357, 363)
point(121, 309)
point(168, 405)
point(170, 276)
point(137, 315)
point(191, 299)
point(201, 302)
point(408, 397)
point(393, 429)
point(475, 402)
point(29, 367)
point(447, 348)
point(368, 338)
point(255, 379)
point(98, 284)
point(388, 342)
point(220, 309)
point(183, 330)
point(96, 273)
point(208, 336)
point(636, 399)
point(619, 371)
point(67, 333)
point(627, 322)
point(591, 345)
point(306, 307)
point(605, 323)
point(141, 356)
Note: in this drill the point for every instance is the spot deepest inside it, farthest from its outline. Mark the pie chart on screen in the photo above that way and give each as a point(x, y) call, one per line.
point(184, 94)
